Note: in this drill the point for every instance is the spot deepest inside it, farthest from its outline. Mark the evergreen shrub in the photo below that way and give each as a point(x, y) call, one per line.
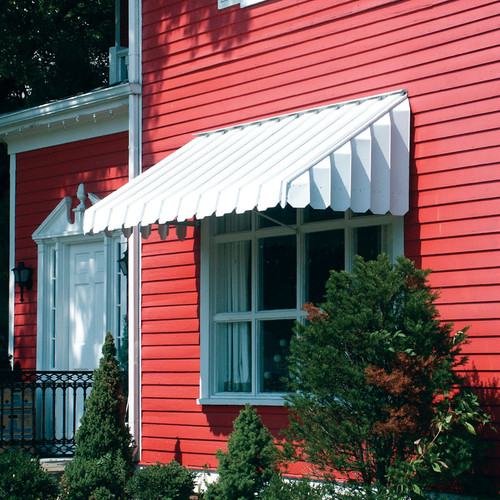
point(22, 477)
point(160, 482)
point(302, 489)
point(375, 394)
point(102, 464)
point(249, 463)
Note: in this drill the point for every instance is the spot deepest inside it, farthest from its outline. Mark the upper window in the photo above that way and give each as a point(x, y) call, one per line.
point(259, 268)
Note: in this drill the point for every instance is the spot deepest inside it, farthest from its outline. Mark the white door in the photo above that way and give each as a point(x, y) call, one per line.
point(85, 327)
point(86, 302)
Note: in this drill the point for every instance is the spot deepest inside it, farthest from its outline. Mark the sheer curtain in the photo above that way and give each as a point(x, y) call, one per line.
point(233, 295)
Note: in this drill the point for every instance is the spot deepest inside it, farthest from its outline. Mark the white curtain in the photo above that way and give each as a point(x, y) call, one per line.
point(237, 348)
point(233, 295)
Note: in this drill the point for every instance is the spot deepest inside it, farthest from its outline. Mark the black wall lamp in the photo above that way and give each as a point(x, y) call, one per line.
point(22, 276)
point(123, 263)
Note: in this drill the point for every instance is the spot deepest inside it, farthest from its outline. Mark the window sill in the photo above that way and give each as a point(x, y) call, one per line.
point(248, 3)
point(242, 400)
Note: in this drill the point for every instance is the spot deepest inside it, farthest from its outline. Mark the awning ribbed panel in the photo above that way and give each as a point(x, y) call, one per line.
point(346, 155)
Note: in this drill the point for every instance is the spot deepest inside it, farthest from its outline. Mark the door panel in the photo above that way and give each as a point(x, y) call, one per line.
point(86, 326)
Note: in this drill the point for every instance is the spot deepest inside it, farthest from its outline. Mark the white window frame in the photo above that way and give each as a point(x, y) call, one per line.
point(392, 244)
point(120, 311)
point(224, 4)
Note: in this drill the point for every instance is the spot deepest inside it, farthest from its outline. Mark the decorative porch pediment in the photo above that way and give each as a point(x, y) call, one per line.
point(60, 222)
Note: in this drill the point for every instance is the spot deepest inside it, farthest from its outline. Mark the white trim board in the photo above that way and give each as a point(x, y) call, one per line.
point(96, 113)
point(12, 251)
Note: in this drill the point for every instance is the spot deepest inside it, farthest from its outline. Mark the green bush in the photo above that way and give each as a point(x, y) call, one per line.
point(374, 394)
point(22, 477)
point(102, 464)
point(249, 463)
point(162, 482)
point(279, 489)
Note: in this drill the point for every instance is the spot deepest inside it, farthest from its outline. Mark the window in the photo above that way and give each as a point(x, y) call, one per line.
point(120, 304)
point(258, 269)
point(52, 318)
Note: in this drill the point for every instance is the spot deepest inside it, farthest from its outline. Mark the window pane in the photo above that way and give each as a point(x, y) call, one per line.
point(275, 344)
point(234, 222)
point(233, 284)
point(287, 216)
point(369, 242)
point(313, 215)
point(278, 282)
point(325, 251)
point(233, 357)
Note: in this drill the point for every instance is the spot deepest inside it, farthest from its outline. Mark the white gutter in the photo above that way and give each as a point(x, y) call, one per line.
point(134, 242)
point(93, 114)
point(90, 102)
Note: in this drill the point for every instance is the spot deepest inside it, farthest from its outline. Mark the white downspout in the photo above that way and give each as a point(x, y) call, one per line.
point(134, 243)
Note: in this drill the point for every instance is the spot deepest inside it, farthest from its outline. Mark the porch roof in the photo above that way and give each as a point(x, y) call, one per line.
point(352, 154)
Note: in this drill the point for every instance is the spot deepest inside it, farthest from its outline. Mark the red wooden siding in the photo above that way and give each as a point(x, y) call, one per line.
point(44, 177)
point(205, 68)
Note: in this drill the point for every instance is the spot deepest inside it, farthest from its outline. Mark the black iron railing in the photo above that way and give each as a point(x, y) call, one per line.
point(40, 410)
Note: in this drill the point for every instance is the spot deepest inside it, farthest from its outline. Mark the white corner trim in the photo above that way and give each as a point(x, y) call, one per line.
point(12, 251)
point(134, 244)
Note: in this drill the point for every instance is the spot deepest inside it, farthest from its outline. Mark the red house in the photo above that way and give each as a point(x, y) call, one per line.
point(253, 137)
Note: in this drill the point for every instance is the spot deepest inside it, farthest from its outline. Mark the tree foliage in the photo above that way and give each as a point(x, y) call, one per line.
point(374, 391)
point(52, 49)
point(102, 464)
point(249, 463)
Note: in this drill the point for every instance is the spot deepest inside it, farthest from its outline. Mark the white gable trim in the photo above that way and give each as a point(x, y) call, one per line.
point(58, 223)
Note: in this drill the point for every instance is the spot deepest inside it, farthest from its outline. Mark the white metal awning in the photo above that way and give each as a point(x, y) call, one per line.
point(353, 154)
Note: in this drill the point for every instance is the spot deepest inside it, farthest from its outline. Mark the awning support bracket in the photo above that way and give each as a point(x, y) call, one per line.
point(272, 219)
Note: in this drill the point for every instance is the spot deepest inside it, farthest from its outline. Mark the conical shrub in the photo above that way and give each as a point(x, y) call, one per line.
point(103, 461)
point(249, 463)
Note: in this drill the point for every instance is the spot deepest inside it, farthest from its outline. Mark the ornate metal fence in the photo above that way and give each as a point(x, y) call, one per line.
point(40, 410)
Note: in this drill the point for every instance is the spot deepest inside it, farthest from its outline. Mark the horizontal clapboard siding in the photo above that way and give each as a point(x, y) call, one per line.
point(204, 69)
point(44, 177)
